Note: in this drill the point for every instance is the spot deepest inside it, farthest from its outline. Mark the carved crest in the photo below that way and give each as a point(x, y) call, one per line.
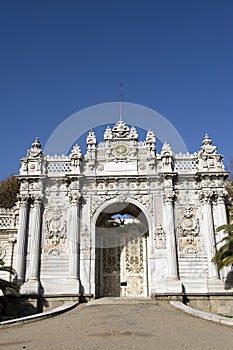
point(56, 228)
point(189, 225)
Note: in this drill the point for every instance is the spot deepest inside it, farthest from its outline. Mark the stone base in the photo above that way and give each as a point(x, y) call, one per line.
point(30, 287)
point(173, 285)
point(73, 285)
point(215, 285)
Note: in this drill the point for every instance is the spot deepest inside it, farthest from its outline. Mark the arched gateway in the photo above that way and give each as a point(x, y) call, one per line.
point(121, 220)
point(122, 248)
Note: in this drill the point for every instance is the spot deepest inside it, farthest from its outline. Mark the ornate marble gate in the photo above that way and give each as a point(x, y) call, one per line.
point(122, 269)
point(182, 198)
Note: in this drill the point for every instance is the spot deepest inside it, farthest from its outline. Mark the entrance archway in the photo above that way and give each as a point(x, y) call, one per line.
point(121, 251)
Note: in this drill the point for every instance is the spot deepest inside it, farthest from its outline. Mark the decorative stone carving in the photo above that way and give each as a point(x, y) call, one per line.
point(133, 133)
point(34, 161)
point(207, 147)
point(160, 237)
point(85, 242)
point(76, 156)
point(190, 250)
point(150, 138)
point(74, 198)
point(97, 200)
point(189, 225)
point(37, 198)
point(142, 166)
point(56, 228)
point(54, 252)
point(120, 130)
point(35, 150)
point(169, 196)
point(151, 144)
point(118, 170)
point(91, 138)
point(167, 158)
point(221, 196)
point(108, 133)
point(208, 159)
point(206, 196)
point(145, 199)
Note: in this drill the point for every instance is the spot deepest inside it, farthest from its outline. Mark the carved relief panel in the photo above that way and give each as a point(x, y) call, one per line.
point(55, 234)
point(188, 232)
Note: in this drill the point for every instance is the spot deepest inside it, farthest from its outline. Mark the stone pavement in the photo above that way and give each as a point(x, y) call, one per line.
point(119, 324)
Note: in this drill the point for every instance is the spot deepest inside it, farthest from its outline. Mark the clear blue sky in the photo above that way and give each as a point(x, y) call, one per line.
point(60, 56)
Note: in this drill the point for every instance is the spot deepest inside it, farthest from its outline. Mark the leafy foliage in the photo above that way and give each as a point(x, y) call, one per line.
point(229, 188)
point(9, 190)
point(8, 287)
point(224, 255)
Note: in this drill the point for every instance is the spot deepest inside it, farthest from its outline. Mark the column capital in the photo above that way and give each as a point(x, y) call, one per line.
point(205, 196)
point(74, 198)
point(37, 199)
point(23, 199)
point(221, 196)
point(169, 196)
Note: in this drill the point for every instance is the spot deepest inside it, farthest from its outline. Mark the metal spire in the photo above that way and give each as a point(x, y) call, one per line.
point(120, 101)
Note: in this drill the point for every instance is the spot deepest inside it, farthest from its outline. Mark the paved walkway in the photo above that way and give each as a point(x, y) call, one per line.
point(138, 324)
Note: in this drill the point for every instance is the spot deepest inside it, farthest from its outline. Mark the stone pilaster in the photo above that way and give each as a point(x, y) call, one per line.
point(209, 238)
point(221, 220)
point(173, 282)
point(22, 239)
point(35, 240)
point(74, 232)
point(32, 286)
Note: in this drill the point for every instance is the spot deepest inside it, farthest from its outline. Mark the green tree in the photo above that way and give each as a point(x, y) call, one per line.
point(9, 190)
point(224, 255)
point(8, 287)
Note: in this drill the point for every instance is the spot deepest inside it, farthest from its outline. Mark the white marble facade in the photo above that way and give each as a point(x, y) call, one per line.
point(63, 246)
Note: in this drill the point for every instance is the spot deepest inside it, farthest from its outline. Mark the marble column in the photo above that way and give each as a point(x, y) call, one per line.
point(221, 210)
point(35, 246)
point(74, 237)
point(221, 220)
point(173, 282)
point(21, 250)
point(208, 232)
